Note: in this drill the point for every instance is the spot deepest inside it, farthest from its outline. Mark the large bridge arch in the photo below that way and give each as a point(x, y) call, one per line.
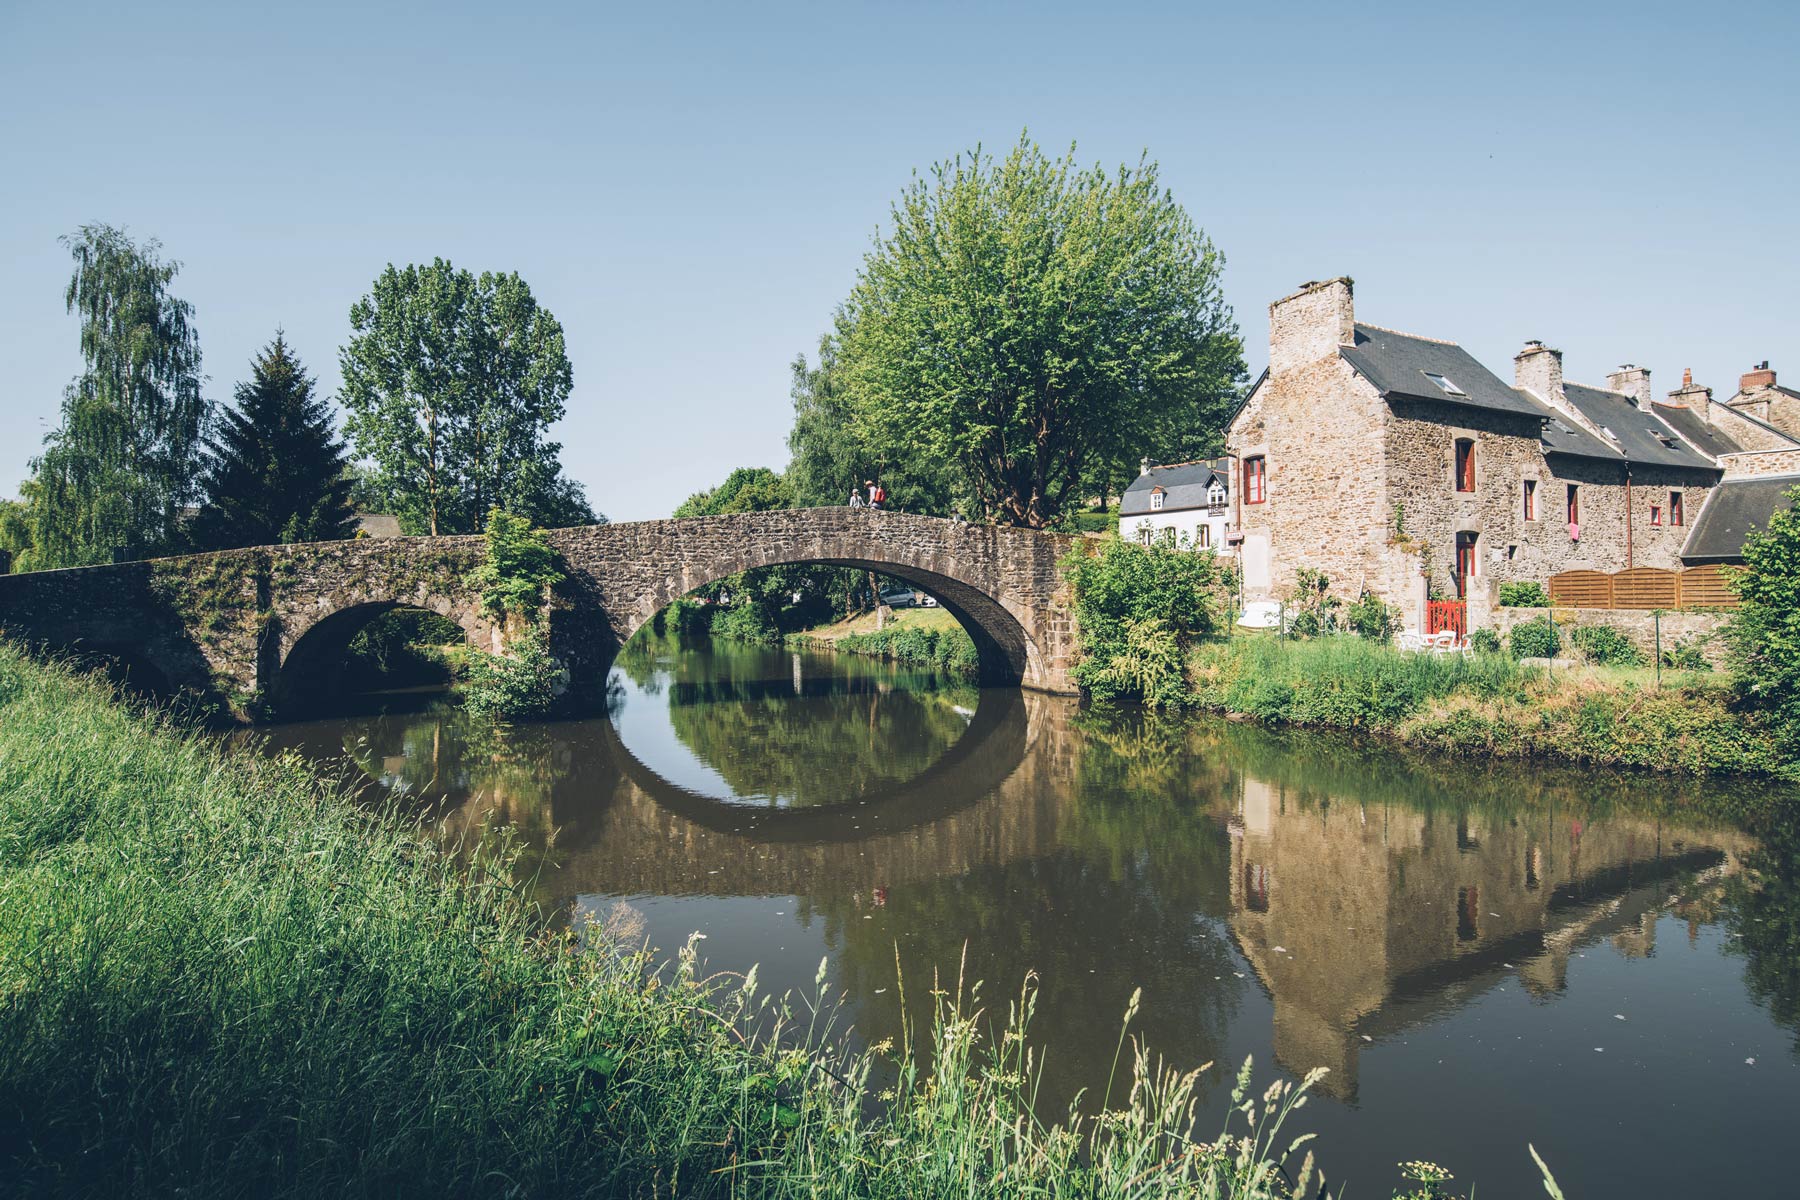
point(309, 655)
point(1003, 585)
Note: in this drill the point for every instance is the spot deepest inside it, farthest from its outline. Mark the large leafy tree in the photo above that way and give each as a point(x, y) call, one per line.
point(118, 474)
point(451, 382)
point(1026, 320)
point(833, 453)
point(276, 470)
point(1764, 635)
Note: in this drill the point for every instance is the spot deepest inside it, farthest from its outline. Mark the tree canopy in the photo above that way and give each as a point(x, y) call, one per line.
point(1764, 634)
point(119, 472)
point(1026, 322)
point(451, 382)
point(276, 469)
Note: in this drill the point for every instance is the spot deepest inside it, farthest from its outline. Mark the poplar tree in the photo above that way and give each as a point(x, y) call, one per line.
point(451, 382)
point(118, 474)
point(276, 471)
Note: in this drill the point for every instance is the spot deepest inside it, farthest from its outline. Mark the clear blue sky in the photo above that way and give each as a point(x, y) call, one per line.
point(690, 188)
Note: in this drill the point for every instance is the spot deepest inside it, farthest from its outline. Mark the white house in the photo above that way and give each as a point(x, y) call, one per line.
point(1180, 503)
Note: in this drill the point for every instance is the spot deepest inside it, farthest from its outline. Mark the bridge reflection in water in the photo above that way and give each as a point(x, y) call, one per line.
point(800, 807)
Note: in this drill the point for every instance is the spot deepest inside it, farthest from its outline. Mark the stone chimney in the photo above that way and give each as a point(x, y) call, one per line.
point(1311, 324)
point(1692, 395)
point(1538, 369)
point(1633, 381)
point(1760, 377)
point(1143, 467)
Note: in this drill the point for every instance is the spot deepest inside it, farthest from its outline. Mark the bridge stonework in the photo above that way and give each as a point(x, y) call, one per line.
point(272, 623)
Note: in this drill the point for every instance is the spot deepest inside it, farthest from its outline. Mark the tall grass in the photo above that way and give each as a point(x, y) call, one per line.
point(1345, 682)
point(220, 977)
point(1491, 705)
point(949, 650)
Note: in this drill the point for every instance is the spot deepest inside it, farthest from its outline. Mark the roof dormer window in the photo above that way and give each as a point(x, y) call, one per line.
point(1156, 499)
point(1445, 386)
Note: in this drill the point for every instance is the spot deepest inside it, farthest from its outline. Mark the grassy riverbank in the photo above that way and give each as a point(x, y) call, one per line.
point(920, 637)
point(220, 976)
point(1491, 705)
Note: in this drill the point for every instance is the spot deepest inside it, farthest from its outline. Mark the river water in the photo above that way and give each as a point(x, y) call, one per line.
point(1483, 956)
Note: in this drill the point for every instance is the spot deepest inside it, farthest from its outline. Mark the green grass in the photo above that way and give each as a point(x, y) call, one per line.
point(1491, 705)
point(221, 977)
point(923, 637)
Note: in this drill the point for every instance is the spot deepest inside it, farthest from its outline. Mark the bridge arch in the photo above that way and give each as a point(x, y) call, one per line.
point(999, 584)
point(309, 660)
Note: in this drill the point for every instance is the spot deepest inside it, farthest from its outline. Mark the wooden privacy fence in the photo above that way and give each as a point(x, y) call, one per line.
point(1643, 588)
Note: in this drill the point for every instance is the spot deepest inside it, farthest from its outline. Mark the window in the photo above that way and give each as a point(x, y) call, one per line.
point(1203, 537)
point(1255, 479)
point(1166, 536)
point(1465, 563)
point(1215, 495)
point(1145, 533)
point(1656, 514)
point(1531, 499)
point(1465, 464)
point(1675, 517)
point(1574, 507)
point(1444, 385)
point(1156, 499)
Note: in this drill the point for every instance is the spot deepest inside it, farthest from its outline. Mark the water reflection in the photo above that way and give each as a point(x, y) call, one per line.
point(1539, 944)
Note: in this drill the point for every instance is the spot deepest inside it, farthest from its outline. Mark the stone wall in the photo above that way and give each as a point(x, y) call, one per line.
point(1761, 462)
point(1635, 624)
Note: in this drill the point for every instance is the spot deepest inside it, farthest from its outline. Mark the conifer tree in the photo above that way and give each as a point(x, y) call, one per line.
point(276, 471)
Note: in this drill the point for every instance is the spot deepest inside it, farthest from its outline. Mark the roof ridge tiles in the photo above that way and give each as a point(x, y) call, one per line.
point(1419, 337)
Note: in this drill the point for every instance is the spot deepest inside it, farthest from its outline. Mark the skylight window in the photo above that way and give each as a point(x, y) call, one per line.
point(1445, 386)
point(1667, 441)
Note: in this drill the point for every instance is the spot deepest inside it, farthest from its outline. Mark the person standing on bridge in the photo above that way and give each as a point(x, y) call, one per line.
point(856, 497)
point(877, 493)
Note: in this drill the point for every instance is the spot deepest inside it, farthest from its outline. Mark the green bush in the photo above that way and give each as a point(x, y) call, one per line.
point(401, 648)
point(949, 650)
point(1764, 635)
point(1687, 654)
point(1605, 646)
point(1371, 618)
point(519, 569)
point(1536, 638)
point(524, 682)
point(1485, 641)
point(1529, 594)
point(1157, 591)
point(746, 621)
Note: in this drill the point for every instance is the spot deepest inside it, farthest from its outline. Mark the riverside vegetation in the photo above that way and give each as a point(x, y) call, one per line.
point(222, 976)
point(1153, 633)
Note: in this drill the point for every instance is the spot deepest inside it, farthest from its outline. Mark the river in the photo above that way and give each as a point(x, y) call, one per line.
point(1483, 956)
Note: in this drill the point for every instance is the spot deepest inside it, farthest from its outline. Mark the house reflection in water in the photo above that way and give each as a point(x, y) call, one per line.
point(1363, 920)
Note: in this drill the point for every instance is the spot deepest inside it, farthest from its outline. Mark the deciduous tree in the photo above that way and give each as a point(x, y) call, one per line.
point(1026, 321)
point(451, 382)
point(276, 471)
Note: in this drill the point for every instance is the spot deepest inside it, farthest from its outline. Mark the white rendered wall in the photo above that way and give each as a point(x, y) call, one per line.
point(1186, 523)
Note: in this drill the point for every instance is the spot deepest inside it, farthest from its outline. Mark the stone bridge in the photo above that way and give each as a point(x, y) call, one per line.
point(273, 622)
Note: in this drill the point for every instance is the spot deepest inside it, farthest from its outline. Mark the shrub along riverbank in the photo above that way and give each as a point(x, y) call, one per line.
point(1491, 705)
point(220, 976)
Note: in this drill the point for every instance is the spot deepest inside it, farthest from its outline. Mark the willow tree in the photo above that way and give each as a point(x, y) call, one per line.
point(1025, 321)
point(451, 382)
point(118, 473)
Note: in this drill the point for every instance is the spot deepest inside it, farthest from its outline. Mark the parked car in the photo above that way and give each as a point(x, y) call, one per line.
point(899, 597)
point(927, 600)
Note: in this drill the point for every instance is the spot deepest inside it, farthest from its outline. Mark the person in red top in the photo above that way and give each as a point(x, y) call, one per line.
point(877, 493)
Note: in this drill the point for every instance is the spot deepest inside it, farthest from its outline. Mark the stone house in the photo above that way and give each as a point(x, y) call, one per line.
point(1180, 503)
point(1399, 465)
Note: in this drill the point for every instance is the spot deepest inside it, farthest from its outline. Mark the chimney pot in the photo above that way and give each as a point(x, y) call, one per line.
point(1687, 377)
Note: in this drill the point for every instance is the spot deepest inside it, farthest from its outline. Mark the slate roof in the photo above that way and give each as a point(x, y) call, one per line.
point(1690, 425)
point(1731, 511)
point(1562, 436)
point(1184, 487)
point(1639, 433)
point(1398, 365)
